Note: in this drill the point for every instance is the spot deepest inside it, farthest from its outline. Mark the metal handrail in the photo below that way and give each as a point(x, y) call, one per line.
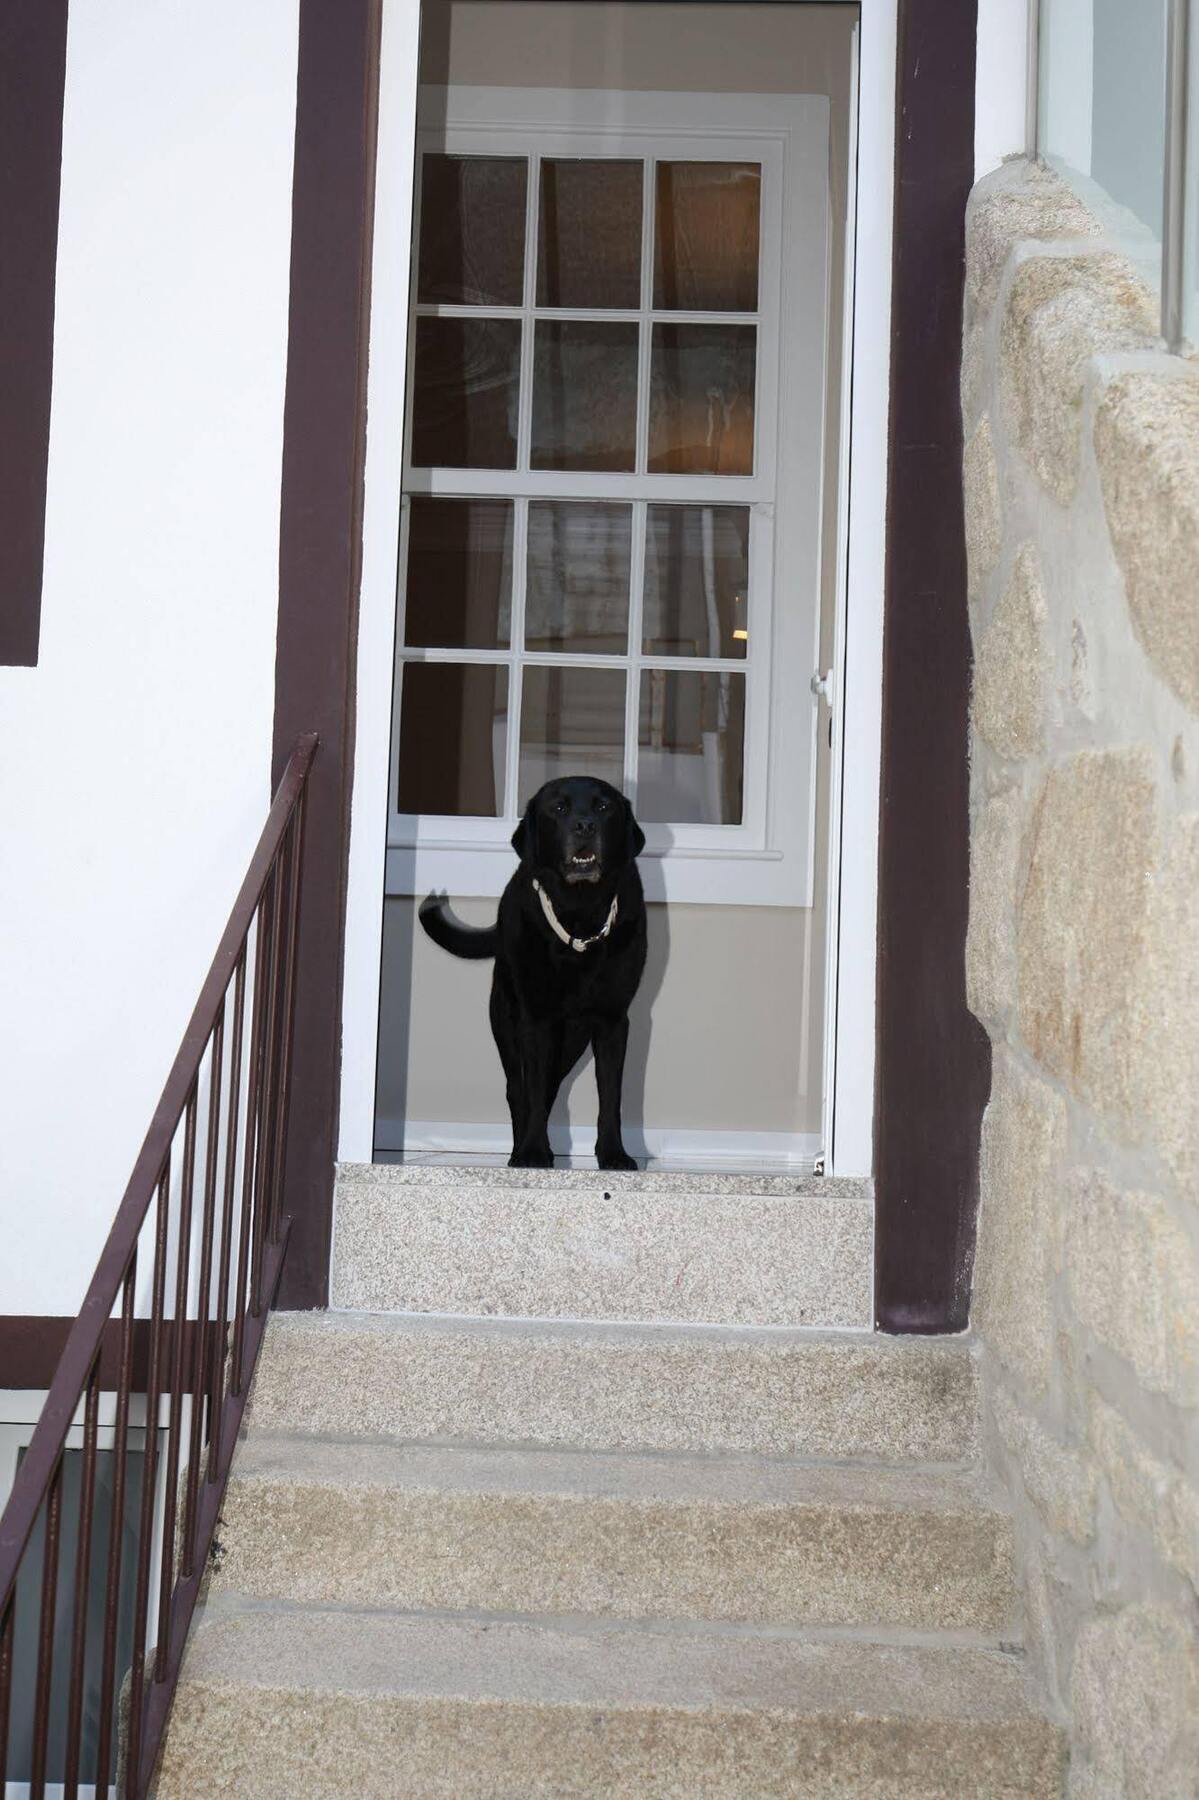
point(205, 1349)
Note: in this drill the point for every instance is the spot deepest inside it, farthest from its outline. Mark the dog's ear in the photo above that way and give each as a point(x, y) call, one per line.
point(634, 836)
point(524, 837)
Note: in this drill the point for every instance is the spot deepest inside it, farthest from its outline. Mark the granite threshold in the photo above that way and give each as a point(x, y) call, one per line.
point(461, 1173)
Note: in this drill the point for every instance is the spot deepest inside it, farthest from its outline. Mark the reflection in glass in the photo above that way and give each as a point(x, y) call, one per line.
point(27, 1620)
point(578, 584)
point(466, 382)
point(453, 738)
point(589, 233)
point(696, 581)
point(584, 394)
point(706, 236)
point(701, 400)
point(1190, 300)
point(459, 587)
point(691, 736)
point(472, 230)
point(571, 723)
point(1102, 98)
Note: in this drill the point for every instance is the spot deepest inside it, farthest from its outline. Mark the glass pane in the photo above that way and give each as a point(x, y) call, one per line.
point(1102, 99)
point(459, 589)
point(472, 230)
point(691, 737)
point(453, 738)
point(1190, 317)
point(571, 723)
point(696, 581)
point(27, 1613)
point(466, 391)
point(578, 589)
point(584, 395)
point(706, 236)
point(589, 234)
point(701, 400)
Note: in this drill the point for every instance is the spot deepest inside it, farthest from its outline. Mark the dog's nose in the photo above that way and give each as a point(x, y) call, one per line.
point(584, 827)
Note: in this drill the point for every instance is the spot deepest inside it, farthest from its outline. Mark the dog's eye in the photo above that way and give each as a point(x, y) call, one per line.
point(562, 806)
point(601, 806)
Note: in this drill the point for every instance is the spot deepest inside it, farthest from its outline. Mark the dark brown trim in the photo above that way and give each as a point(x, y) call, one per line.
point(32, 1344)
point(933, 1057)
point(33, 50)
point(319, 567)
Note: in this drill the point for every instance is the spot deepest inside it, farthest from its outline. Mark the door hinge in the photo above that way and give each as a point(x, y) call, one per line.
point(822, 686)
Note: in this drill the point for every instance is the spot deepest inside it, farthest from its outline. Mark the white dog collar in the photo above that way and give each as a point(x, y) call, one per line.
point(558, 928)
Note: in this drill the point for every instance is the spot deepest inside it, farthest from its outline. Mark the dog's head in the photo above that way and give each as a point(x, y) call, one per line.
point(580, 828)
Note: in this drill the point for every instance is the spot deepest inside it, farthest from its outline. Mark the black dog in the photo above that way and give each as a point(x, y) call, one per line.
point(569, 949)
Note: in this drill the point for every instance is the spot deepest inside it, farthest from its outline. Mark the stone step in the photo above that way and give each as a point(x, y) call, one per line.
point(283, 1702)
point(577, 1244)
point(613, 1536)
point(841, 1396)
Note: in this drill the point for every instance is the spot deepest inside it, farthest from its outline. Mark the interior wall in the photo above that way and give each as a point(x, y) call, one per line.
point(712, 1045)
point(134, 776)
point(747, 981)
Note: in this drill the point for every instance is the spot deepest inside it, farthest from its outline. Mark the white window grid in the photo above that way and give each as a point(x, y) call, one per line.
point(459, 852)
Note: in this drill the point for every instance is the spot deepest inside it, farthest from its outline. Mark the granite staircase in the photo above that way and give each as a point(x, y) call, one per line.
point(597, 1485)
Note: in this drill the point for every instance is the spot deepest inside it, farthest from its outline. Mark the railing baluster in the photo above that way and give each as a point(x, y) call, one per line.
point(116, 1532)
point(8, 1615)
point(249, 1155)
point(199, 1364)
point(279, 974)
point(83, 1560)
point(166, 1574)
point(296, 834)
point(266, 1096)
point(217, 1403)
point(45, 1644)
point(215, 1369)
point(145, 1539)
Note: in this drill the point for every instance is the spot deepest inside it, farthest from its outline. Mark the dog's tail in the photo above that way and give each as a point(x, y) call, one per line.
point(470, 941)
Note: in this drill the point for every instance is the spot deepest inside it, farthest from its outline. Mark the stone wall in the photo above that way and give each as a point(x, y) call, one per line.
point(1082, 502)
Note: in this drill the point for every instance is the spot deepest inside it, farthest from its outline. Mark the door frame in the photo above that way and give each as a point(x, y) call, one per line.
point(336, 631)
point(848, 1097)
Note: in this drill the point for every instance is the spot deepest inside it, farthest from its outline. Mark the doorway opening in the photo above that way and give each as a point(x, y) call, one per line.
point(620, 526)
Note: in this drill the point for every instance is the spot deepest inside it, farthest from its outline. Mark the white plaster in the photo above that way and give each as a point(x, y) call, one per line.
point(134, 775)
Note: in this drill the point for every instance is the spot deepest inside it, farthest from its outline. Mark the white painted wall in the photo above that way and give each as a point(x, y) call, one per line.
point(1000, 83)
point(134, 760)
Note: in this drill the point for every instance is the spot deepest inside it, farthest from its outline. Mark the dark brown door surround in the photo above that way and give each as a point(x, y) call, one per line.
point(33, 48)
point(933, 1061)
point(320, 555)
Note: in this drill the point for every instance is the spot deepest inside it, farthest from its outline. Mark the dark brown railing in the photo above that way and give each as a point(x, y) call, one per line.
point(75, 1623)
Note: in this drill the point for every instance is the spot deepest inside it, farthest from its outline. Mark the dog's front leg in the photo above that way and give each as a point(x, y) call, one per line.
point(609, 1044)
point(540, 1054)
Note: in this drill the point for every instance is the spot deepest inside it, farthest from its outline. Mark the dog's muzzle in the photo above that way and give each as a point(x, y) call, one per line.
point(583, 864)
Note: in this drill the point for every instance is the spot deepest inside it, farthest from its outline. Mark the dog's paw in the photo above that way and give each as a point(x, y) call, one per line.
point(531, 1159)
point(616, 1159)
